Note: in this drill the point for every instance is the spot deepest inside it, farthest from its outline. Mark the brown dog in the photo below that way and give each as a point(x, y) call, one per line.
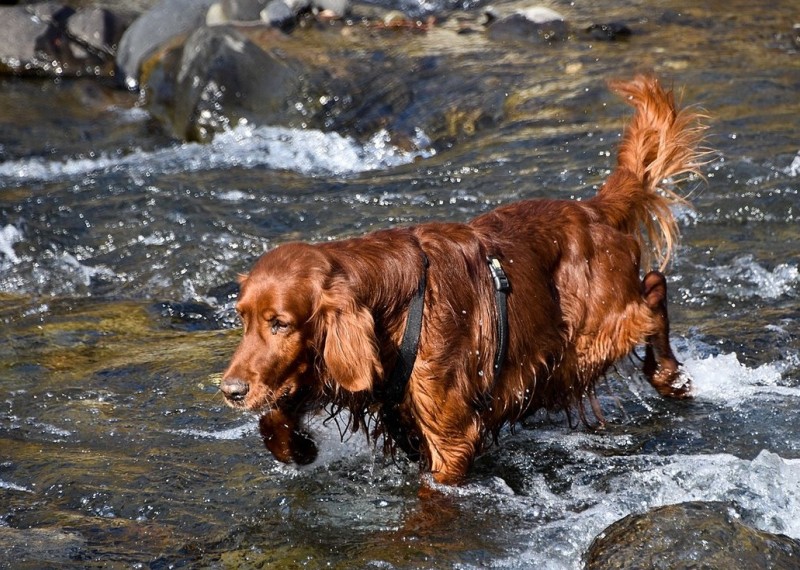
point(482, 343)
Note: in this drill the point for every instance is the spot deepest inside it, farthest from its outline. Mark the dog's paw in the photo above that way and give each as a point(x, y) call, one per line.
point(673, 383)
point(304, 450)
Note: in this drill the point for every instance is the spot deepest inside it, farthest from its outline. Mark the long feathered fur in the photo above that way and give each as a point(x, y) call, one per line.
point(660, 144)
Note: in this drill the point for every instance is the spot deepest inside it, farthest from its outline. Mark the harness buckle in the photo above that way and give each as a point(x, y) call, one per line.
point(501, 282)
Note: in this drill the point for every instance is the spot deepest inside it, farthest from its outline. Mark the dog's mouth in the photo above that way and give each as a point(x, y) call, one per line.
point(255, 397)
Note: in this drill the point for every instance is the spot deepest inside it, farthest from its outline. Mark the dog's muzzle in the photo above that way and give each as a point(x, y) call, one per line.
point(234, 389)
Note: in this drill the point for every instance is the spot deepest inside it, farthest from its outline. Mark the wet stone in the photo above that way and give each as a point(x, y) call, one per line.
point(243, 10)
point(690, 535)
point(96, 31)
point(52, 39)
point(153, 29)
point(537, 25)
point(44, 546)
point(277, 13)
point(612, 31)
point(212, 85)
point(25, 29)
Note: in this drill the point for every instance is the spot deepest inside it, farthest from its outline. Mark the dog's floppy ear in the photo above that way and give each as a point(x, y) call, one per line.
point(350, 348)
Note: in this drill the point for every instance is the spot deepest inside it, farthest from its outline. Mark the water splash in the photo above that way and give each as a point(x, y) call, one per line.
point(793, 169)
point(13, 487)
point(308, 152)
point(723, 379)
point(9, 235)
point(745, 278)
point(766, 489)
point(236, 432)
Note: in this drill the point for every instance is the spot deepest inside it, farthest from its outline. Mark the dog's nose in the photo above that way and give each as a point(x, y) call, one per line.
point(234, 389)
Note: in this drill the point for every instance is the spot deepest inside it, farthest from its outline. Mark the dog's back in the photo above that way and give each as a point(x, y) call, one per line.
point(578, 302)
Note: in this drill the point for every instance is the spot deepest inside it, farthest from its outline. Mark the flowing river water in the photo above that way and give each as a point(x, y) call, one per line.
point(119, 248)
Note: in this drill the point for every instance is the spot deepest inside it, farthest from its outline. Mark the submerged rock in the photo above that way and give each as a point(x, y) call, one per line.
point(536, 24)
point(690, 535)
point(40, 547)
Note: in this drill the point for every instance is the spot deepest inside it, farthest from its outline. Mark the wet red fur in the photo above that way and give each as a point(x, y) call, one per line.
point(323, 322)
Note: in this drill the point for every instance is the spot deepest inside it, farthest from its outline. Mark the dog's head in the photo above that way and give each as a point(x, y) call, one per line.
point(304, 332)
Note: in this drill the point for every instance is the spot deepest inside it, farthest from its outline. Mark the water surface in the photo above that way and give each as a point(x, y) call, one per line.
point(119, 247)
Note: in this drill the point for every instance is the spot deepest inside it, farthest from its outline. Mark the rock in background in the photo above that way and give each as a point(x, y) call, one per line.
point(163, 23)
point(53, 39)
point(206, 66)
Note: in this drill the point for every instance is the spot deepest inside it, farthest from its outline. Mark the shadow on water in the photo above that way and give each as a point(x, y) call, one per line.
point(119, 250)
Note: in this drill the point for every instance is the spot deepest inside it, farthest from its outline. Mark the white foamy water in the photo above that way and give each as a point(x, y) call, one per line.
point(767, 488)
point(308, 152)
point(746, 278)
point(13, 487)
point(9, 235)
point(236, 432)
point(81, 273)
point(723, 379)
point(794, 168)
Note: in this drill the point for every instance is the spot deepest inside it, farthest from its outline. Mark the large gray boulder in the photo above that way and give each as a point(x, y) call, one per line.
point(225, 74)
point(153, 29)
point(220, 78)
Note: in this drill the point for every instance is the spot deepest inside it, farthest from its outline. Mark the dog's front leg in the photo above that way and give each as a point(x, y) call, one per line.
point(285, 439)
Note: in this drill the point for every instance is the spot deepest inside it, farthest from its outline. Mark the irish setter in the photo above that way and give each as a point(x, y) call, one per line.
point(323, 322)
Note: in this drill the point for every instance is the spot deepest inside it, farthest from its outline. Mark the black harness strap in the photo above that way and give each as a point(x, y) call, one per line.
point(396, 383)
point(501, 288)
point(401, 373)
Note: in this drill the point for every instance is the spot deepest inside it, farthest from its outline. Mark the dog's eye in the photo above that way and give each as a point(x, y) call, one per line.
point(278, 326)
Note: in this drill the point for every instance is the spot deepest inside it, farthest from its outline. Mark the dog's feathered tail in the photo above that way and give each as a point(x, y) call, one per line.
point(660, 142)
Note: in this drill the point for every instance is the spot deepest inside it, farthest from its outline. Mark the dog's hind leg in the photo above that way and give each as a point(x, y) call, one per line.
point(660, 365)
